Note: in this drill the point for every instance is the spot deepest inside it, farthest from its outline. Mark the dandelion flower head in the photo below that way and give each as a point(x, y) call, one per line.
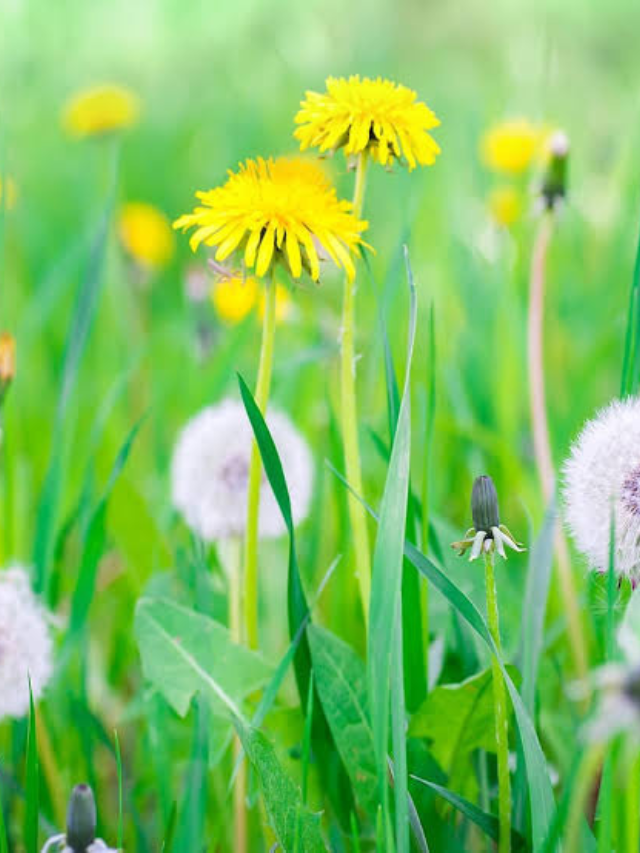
point(511, 146)
point(505, 205)
point(8, 193)
point(234, 297)
point(378, 116)
point(100, 110)
point(146, 234)
point(276, 210)
point(26, 649)
point(210, 472)
point(601, 481)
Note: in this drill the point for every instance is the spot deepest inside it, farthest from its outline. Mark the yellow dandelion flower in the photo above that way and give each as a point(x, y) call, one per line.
point(505, 205)
point(8, 193)
point(100, 110)
point(510, 146)
point(234, 297)
point(373, 115)
point(284, 305)
point(145, 233)
point(276, 210)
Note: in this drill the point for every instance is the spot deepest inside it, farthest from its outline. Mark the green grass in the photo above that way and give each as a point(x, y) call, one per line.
point(109, 371)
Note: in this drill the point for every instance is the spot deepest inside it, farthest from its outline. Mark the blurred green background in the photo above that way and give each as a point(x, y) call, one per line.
point(222, 82)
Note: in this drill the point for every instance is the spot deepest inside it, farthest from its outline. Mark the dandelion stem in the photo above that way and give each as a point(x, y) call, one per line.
point(541, 442)
point(500, 710)
point(350, 413)
point(255, 470)
point(233, 567)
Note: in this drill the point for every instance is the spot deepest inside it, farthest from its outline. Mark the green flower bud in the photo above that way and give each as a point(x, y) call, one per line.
point(554, 185)
point(81, 819)
point(484, 504)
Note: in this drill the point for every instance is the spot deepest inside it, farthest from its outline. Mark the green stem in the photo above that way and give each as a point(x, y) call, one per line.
point(632, 804)
point(357, 512)
point(231, 555)
point(255, 471)
point(500, 708)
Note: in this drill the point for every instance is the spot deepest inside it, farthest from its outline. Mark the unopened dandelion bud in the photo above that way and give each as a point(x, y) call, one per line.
point(487, 534)
point(484, 504)
point(81, 819)
point(7, 362)
point(554, 185)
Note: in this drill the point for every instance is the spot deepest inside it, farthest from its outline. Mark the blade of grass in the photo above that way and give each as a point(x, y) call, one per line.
point(386, 590)
point(631, 358)
point(170, 831)
point(120, 836)
point(4, 844)
point(331, 767)
point(32, 787)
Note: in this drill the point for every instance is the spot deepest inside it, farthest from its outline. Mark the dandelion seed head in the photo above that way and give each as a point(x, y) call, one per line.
point(210, 472)
point(26, 648)
point(601, 480)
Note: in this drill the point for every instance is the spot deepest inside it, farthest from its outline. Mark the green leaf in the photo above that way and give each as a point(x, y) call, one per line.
point(184, 652)
point(340, 677)
point(333, 773)
point(32, 788)
point(488, 823)
point(386, 585)
point(289, 817)
point(457, 719)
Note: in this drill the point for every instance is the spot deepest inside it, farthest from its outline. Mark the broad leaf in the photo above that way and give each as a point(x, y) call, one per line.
point(184, 652)
point(294, 825)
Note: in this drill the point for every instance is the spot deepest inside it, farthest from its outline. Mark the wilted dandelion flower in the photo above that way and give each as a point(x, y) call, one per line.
point(145, 234)
point(100, 110)
point(26, 648)
point(601, 482)
point(276, 210)
point(210, 472)
point(487, 534)
point(505, 205)
point(8, 193)
point(378, 116)
point(510, 146)
point(234, 297)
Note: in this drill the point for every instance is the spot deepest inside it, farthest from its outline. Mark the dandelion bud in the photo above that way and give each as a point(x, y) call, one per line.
point(487, 534)
point(81, 819)
point(7, 361)
point(554, 184)
point(484, 504)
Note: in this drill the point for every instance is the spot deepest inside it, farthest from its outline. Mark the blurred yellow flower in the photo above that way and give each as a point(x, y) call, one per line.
point(234, 297)
point(276, 210)
point(374, 115)
point(7, 361)
point(284, 305)
point(100, 110)
point(8, 193)
point(145, 233)
point(505, 205)
point(510, 146)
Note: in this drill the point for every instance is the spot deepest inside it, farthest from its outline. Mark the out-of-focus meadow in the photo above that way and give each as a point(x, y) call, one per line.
point(105, 343)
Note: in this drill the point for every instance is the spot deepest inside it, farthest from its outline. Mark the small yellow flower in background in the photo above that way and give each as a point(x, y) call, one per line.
point(234, 297)
point(7, 361)
point(284, 305)
point(8, 193)
point(505, 205)
point(282, 210)
point(373, 115)
point(145, 232)
point(511, 146)
point(100, 110)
